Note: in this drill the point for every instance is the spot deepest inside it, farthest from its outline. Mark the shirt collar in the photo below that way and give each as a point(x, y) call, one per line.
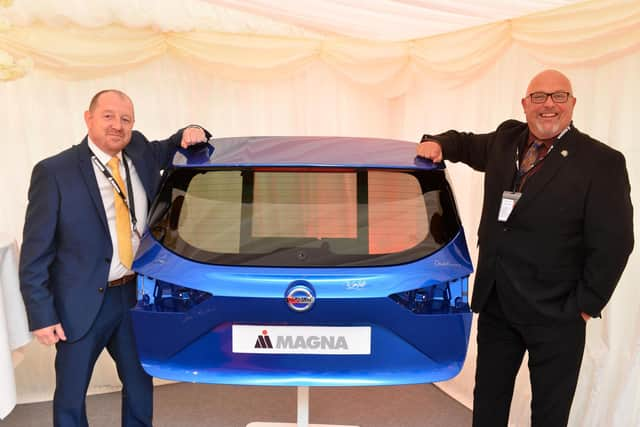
point(101, 155)
point(546, 142)
point(550, 141)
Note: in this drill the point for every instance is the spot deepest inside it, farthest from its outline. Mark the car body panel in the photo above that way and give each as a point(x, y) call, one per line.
point(406, 345)
point(305, 151)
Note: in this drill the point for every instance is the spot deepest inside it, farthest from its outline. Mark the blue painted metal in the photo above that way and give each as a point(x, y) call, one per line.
point(305, 151)
point(194, 344)
point(406, 347)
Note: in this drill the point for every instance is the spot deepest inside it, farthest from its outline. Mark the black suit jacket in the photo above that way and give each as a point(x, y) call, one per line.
point(567, 241)
point(66, 249)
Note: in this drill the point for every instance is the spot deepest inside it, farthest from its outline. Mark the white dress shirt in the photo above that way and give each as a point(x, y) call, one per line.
point(116, 269)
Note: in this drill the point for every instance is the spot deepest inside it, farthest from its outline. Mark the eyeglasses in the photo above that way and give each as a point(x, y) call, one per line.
point(557, 97)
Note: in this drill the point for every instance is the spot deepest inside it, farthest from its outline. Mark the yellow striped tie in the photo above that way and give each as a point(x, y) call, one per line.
point(123, 221)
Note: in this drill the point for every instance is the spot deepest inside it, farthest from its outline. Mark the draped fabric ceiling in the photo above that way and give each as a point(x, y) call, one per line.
point(382, 68)
point(379, 43)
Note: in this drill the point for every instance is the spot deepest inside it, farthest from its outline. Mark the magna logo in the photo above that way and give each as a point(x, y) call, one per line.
point(263, 340)
point(299, 342)
point(290, 339)
point(300, 296)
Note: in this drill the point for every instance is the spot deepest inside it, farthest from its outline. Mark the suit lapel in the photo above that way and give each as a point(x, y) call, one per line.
point(89, 177)
point(142, 167)
point(509, 158)
point(555, 160)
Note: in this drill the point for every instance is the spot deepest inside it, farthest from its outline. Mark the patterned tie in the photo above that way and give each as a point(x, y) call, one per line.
point(123, 221)
point(530, 157)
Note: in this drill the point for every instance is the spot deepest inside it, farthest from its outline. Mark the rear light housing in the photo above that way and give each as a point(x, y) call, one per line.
point(440, 298)
point(158, 295)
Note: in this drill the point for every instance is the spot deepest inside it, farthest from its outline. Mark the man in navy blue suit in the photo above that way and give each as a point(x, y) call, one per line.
point(75, 262)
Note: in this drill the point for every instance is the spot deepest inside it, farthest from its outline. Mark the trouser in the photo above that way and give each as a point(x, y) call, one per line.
point(75, 361)
point(555, 354)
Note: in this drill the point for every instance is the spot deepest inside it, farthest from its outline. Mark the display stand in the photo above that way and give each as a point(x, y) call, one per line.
point(303, 414)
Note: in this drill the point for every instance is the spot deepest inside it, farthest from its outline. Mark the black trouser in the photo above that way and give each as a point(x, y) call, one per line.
point(555, 354)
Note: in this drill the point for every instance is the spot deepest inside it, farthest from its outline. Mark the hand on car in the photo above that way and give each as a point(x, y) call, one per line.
point(192, 135)
point(430, 150)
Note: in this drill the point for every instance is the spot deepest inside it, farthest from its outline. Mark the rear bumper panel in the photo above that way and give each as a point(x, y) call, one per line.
point(406, 348)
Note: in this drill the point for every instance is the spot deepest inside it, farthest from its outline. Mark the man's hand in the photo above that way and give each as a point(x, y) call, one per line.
point(430, 150)
point(192, 135)
point(50, 334)
point(585, 316)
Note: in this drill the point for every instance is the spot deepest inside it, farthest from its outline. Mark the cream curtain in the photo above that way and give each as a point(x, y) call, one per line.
point(583, 33)
point(296, 81)
point(382, 20)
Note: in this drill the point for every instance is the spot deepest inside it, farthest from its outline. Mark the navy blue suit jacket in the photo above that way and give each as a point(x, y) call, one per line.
point(66, 249)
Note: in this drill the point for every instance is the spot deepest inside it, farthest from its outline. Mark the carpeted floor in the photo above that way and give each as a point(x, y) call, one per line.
point(195, 405)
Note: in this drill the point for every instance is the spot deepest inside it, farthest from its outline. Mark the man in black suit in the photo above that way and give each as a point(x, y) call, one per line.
point(87, 208)
point(555, 235)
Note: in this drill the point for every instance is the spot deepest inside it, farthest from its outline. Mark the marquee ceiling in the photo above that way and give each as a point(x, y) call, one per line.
point(379, 43)
point(380, 20)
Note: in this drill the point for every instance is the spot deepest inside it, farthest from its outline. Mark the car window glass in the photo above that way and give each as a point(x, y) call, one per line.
point(306, 216)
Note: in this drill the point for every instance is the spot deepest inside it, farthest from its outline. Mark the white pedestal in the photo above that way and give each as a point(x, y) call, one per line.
point(303, 414)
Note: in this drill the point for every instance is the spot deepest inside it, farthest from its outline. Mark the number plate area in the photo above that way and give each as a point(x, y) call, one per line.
point(327, 340)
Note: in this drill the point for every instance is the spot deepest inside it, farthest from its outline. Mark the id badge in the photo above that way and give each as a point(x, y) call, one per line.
point(509, 200)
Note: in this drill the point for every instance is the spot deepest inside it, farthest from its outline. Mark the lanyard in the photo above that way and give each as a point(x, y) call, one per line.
point(533, 165)
point(129, 202)
point(520, 176)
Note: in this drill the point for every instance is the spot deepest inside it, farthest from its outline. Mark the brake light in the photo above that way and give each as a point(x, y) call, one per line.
point(158, 295)
point(440, 298)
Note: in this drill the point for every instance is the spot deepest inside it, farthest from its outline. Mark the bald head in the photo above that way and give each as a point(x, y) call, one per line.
point(549, 78)
point(96, 98)
point(550, 117)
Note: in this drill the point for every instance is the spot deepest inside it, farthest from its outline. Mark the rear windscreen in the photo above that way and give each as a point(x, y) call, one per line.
point(305, 216)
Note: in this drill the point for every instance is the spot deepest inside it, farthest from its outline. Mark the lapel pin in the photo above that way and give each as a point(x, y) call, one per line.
point(564, 153)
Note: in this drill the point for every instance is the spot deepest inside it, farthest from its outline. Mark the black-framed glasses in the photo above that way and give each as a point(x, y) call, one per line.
point(557, 97)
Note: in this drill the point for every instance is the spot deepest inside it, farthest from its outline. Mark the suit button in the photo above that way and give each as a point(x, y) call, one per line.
point(107, 260)
point(505, 229)
point(100, 290)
